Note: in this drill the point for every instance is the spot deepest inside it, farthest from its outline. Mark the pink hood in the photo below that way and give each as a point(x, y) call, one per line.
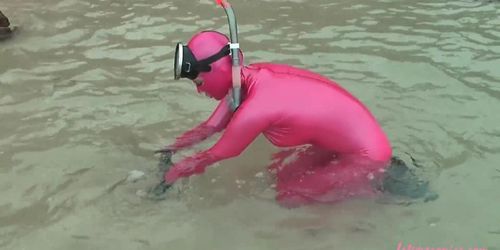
point(217, 82)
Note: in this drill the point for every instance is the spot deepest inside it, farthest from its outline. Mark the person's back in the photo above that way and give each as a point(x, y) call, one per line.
point(308, 108)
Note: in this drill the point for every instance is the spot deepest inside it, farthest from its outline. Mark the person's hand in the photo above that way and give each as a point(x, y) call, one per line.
point(165, 151)
point(185, 168)
point(159, 191)
point(165, 159)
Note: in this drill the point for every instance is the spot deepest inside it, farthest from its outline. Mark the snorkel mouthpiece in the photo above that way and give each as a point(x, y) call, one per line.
point(235, 52)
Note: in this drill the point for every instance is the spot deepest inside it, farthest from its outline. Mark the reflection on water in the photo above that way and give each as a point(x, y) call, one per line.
point(86, 95)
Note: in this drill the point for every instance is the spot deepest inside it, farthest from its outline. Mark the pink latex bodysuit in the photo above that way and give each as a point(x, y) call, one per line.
point(344, 150)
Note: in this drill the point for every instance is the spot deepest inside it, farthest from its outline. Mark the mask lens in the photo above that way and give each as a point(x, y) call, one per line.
point(186, 65)
point(178, 60)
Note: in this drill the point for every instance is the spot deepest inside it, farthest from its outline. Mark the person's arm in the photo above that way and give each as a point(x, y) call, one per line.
point(243, 128)
point(215, 123)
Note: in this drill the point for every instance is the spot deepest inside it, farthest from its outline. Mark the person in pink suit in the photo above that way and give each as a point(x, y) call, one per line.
point(340, 148)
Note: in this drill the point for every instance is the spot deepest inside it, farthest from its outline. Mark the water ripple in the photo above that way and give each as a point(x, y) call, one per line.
point(88, 85)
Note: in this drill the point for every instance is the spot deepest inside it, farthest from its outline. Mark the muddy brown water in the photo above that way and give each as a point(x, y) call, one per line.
point(87, 93)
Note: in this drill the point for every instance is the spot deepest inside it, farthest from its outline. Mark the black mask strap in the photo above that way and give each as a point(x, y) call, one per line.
point(204, 65)
point(189, 64)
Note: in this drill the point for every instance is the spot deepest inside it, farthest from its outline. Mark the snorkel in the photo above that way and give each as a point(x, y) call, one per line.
point(235, 52)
